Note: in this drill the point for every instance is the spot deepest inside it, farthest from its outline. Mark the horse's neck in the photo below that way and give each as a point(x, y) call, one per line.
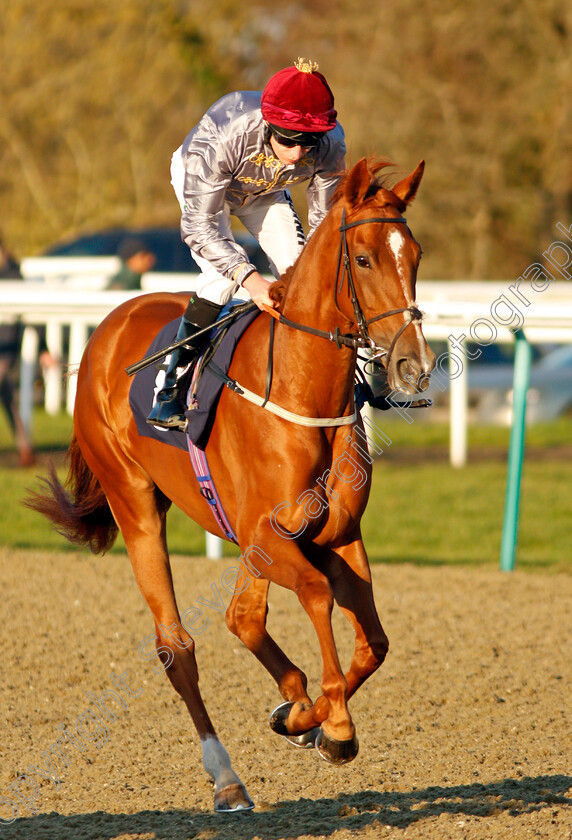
point(321, 374)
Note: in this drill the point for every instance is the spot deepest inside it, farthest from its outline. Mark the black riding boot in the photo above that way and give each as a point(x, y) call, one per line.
point(169, 410)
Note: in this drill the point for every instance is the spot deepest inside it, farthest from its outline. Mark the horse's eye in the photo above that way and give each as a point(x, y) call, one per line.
point(363, 262)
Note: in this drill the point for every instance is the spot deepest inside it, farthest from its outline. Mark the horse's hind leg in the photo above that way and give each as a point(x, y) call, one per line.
point(148, 553)
point(140, 512)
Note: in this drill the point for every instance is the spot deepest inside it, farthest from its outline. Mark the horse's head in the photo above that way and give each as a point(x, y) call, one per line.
point(378, 271)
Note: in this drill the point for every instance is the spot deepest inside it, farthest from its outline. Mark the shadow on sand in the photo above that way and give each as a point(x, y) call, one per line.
point(306, 816)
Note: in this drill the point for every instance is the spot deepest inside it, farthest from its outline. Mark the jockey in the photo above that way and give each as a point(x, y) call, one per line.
point(240, 160)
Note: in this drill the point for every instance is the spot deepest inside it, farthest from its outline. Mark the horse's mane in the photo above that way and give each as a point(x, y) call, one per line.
point(277, 290)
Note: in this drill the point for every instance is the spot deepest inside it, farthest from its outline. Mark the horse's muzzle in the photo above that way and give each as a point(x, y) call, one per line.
point(411, 374)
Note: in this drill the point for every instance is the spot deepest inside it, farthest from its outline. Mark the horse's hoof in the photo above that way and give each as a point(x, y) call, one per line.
point(232, 798)
point(336, 752)
point(278, 719)
point(306, 740)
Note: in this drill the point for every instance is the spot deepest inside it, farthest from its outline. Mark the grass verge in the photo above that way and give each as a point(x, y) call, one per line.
point(421, 510)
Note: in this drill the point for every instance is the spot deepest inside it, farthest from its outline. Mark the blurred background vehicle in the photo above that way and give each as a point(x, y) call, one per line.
point(491, 380)
point(165, 242)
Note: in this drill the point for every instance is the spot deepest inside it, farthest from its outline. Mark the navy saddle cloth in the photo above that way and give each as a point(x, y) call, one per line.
point(147, 382)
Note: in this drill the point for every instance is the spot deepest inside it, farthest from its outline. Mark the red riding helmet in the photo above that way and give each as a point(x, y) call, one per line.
point(299, 98)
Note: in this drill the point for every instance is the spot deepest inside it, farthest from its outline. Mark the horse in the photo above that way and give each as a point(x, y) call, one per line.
point(293, 487)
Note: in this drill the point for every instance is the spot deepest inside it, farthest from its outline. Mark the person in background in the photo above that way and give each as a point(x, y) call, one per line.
point(10, 349)
point(240, 160)
point(136, 259)
point(9, 268)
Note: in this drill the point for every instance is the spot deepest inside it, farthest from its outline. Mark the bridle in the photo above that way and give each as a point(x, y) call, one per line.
point(354, 340)
point(362, 338)
point(344, 269)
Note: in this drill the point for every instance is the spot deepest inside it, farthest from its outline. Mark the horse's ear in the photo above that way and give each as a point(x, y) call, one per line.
point(406, 190)
point(357, 183)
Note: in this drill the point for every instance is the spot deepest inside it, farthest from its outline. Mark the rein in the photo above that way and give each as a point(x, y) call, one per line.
point(354, 340)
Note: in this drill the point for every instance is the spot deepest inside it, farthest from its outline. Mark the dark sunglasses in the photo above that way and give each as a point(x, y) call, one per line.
point(306, 140)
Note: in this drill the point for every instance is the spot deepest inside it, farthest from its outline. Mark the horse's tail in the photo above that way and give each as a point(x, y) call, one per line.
point(79, 509)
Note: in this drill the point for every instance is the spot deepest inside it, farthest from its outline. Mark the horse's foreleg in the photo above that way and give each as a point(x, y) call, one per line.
point(246, 618)
point(351, 585)
point(350, 579)
point(290, 568)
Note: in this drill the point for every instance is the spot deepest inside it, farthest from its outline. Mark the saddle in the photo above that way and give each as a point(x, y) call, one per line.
point(205, 387)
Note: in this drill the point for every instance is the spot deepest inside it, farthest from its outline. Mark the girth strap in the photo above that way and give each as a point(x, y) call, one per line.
point(264, 402)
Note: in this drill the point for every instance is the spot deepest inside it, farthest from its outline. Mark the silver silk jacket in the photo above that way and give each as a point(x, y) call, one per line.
point(227, 162)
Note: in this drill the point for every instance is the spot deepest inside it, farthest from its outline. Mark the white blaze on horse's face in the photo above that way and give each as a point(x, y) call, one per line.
point(411, 359)
point(396, 241)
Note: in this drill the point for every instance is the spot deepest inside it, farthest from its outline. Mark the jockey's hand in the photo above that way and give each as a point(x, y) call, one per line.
point(257, 287)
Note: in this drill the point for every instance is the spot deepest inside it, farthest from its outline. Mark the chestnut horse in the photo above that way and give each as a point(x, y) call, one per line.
point(287, 489)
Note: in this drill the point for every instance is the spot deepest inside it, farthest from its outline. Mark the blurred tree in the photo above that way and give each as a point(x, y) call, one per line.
point(481, 92)
point(95, 97)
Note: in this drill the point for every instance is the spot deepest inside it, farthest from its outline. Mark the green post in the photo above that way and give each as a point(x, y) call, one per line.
point(522, 363)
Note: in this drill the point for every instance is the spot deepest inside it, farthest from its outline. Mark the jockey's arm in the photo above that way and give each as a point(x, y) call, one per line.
point(208, 174)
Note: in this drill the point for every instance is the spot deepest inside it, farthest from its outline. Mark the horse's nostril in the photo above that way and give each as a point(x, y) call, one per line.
point(412, 375)
point(406, 376)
